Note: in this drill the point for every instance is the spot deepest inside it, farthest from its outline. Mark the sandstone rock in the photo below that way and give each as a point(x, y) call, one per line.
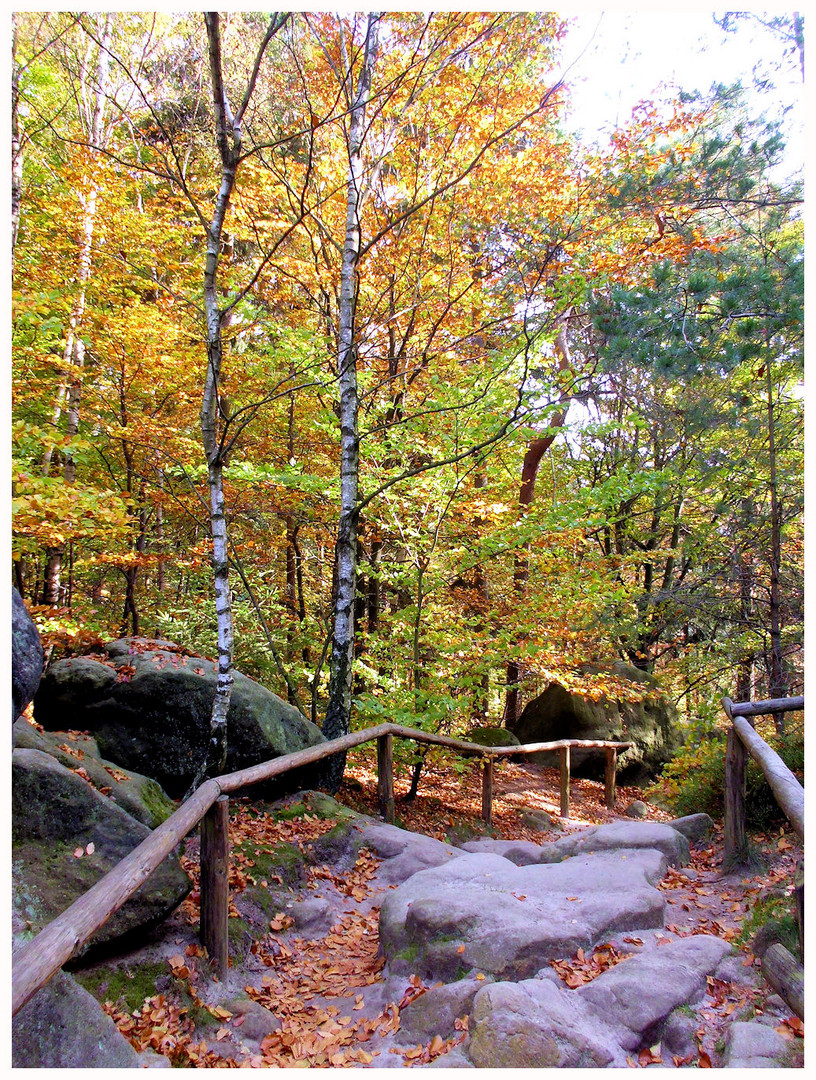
point(64, 1027)
point(539, 820)
point(149, 710)
point(534, 1025)
point(637, 995)
point(651, 724)
point(626, 834)
point(26, 656)
point(56, 813)
point(695, 827)
point(679, 1034)
point(436, 1011)
point(454, 1059)
point(480, 912)
point(258, 1022)
point(487, 735)
point(404, 853)
point(750, 1045)
point(537, 1023)
point(138, 795)
point(636, 809)
point(520, 852)
point(312, 916)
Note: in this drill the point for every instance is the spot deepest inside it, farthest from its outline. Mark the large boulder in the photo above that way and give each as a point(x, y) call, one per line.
point(26, 656)
point(148, 705)
point(139, 795)
point(540, 1024)
point(651, 723)
point(64, 1027)
point(481, 912)
point(66, 836)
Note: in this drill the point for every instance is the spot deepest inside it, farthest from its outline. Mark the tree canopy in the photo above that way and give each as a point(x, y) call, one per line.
point(481, 402)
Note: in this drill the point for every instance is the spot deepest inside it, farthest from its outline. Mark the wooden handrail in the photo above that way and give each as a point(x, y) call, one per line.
point(34, 962)
point(742, 741)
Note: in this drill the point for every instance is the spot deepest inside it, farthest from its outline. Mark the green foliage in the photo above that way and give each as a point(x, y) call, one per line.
point(694, 780)
point(777, 909)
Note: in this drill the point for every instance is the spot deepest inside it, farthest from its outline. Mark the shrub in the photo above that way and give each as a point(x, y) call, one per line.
point(694, 780)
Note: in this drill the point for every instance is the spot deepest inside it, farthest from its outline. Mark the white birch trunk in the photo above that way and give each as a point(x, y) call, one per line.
point(69, 393)
point(338, 712)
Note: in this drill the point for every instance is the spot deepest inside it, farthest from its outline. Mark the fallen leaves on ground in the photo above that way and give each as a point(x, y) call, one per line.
point(317, 988)
point(582, 969)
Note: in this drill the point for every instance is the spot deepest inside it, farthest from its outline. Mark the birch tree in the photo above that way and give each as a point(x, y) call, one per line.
point(336, 722)
point(214, 417)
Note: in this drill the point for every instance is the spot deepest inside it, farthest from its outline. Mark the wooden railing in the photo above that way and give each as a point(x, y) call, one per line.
point(34, 962)
point(742, 741)
point(782, 970)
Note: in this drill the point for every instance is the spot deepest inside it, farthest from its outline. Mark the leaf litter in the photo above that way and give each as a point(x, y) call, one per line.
point(317, 987)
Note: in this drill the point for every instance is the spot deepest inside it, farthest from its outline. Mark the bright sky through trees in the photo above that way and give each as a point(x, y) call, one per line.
point(622, 57)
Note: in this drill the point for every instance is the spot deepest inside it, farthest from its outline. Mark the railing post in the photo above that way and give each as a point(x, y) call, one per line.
point(609, 777)
point(736, 758)
point(385, 776)
point(564, 753)
point(487, 790)
point(214, 884)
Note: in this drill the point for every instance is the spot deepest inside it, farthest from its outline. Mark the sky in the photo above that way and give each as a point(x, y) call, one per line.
point(617, 58)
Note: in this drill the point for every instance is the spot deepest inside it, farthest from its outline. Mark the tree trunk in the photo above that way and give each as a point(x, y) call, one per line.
point(777, 682)
point(338, 712)
point(521, 568)
point(16, 145)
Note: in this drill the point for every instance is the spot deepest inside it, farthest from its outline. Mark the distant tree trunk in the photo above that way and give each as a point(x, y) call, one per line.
point(373, 596)
point(337, 721)
point(745, 571)
point(69, 393)
point(16, 144)
point(777, 682)
point(521, 567)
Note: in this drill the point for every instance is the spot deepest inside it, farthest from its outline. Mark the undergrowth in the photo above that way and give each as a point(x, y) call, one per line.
point(694, 780)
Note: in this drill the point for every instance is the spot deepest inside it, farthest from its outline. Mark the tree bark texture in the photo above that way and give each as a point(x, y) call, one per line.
point(521, 568)
point(337, 721)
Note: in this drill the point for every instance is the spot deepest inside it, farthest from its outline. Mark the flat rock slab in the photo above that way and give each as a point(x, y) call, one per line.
point(520, 852)
point(537, 1023)
point(480, 911)
point(627, 834)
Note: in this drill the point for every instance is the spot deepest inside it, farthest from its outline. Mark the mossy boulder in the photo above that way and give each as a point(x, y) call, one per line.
point(640, 713)
point(66, 836)
point(148, 705)
point(492, 735)
point(139, 795)
point(63, 1027)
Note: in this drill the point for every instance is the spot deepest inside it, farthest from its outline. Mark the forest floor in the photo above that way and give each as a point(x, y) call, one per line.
point(333, 1005)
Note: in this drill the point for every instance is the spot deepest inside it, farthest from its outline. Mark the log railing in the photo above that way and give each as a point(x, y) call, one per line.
point(34, 962)
point(782, 970)
point(743, 741)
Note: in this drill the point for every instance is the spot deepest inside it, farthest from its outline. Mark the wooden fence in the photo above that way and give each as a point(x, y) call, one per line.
point(742, 741)
point(783, 971)
point(34, 962)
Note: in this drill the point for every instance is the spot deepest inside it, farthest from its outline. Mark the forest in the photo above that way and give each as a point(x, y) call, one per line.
point(339, 356)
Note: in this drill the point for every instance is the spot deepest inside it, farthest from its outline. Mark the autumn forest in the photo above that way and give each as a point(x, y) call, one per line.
point(338, 355)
